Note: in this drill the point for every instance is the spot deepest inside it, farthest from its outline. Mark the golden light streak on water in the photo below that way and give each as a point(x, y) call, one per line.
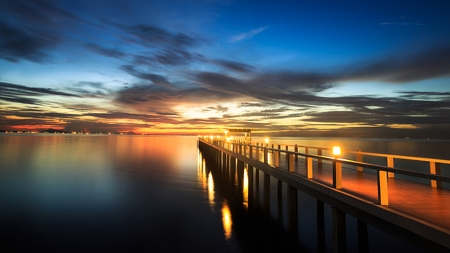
point(245, 190)
point(202, 171)
point(211, 190)
point(226, 220)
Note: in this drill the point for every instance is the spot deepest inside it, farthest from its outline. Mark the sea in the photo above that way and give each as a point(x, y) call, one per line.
point(133, 193)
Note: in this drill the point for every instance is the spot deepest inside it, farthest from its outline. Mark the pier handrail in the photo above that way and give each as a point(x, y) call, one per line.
point(434, 164)
point(413, 158)
point(382, 171)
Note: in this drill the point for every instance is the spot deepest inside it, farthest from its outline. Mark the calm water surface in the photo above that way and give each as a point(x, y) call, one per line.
point(103, 193)
point(152, 193)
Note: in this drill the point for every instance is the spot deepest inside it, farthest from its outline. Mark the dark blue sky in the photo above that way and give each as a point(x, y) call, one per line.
point(311, 68)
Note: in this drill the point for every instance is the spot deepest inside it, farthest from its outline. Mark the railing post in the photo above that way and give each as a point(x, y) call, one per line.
point(250, 150)
point(287, 155)
point(382, 188)
point(390, 163)
point(257, 152)
point(306, 152)
point(319, 152)
point(359, 158)
point(337, 175)
point(290, 162)
point(277, 158)
point(309, 167)
point(265, 155)
point(296, 151)
point(435, 168)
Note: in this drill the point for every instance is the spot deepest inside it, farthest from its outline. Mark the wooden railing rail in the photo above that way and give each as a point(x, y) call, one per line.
point(253, 151)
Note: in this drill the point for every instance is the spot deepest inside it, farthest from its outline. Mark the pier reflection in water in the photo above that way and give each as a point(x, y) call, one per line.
point(263, 213)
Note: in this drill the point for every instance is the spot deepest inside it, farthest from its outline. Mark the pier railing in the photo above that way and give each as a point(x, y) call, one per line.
point(434, 165)
point(260, 153)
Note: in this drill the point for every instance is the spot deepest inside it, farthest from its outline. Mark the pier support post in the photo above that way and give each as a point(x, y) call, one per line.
point(382, 183)
point(250, 186)
point(256, 187)
point(266, 195)
point(280, 199)
point(320, 226)
point(296, 151)
point(232, 171)
point(363, 237)
point(240, 180)
point(435, 168)
point(292, 210)
point(339, 230)
point(337, 175)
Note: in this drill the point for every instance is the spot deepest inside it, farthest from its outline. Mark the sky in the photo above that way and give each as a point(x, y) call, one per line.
point(374, 69)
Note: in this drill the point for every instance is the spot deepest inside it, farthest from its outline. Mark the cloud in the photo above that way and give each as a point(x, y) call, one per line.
point(90, 89)
point(428, 64)
point(248, 35)
point(20, 94)
point(269, 86)
point(109, 52)
point(147, 35)
point(19, 44)
point(37, 114)
point(425, 95)
point(148, 98)
point(155, 79)
point(40, 12)
point(233, 65)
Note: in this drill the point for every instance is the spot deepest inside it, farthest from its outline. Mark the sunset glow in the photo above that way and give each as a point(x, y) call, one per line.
point(289, 68)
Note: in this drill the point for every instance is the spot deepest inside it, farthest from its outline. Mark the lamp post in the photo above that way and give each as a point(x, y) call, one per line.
point(337, 168)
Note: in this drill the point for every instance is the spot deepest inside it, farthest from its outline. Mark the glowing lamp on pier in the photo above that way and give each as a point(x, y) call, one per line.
point(266, 140)
point(336, 151)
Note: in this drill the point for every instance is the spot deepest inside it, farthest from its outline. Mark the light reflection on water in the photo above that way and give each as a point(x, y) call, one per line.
point(64, 193)
point(211, 190)
point(245, 190)
point(227, 220)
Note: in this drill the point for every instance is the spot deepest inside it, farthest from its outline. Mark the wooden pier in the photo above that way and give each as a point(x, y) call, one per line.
point(413, 211)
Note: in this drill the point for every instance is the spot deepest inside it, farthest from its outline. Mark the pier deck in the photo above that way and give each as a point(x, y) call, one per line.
point(417, 200)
